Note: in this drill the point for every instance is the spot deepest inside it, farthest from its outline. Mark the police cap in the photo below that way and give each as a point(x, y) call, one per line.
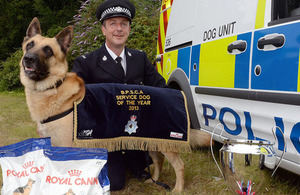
point(115, 8)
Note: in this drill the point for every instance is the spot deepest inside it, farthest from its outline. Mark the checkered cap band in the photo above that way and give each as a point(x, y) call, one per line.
point(115, 10)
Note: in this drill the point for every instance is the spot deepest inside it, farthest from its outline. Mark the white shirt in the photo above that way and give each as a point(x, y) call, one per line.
point(114, 56)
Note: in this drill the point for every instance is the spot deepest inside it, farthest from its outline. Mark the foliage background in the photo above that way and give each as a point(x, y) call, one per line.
point(54, 17)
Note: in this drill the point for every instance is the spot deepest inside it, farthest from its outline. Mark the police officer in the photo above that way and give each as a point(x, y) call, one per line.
point(115, 63)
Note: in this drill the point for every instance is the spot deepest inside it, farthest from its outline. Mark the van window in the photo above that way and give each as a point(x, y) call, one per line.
point(285, 11)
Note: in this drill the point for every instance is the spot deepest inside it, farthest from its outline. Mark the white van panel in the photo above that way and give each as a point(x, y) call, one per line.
point(180, 27)
point(222, 18)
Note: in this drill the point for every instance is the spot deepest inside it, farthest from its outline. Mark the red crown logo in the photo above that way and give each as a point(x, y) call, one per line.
point(133, 117)
point(27, 164)
point(74, 173)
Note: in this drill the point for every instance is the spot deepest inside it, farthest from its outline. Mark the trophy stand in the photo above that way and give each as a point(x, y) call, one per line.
point(241, 159)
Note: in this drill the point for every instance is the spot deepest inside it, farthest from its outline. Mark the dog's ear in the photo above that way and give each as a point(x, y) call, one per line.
point(64, 38)
point(33, 29)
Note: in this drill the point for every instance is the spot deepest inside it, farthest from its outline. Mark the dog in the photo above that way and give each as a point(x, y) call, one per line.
point(25, 190)
point(50, 90)
point(70, 192)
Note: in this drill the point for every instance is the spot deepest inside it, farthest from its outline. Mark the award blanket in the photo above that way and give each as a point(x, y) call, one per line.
point(132, 117)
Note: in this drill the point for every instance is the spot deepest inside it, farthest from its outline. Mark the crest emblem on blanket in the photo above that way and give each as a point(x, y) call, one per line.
point(131, 125)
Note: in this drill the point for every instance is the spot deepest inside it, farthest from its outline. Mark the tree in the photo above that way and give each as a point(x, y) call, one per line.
point(15, 16)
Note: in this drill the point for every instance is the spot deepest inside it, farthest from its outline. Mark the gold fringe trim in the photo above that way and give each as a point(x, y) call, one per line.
point(134, 143)
point(187, 117)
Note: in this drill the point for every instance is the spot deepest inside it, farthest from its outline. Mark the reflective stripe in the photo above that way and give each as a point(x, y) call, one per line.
point(260, 14)
point(162, 31)
point(166, 4)
point(161, 36)
point(163, 25)
point(159, 42)
point(217, 67)
point(166, 20)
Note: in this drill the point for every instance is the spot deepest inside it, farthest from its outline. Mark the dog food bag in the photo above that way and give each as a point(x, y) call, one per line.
point(22, 165)
point(80, 171)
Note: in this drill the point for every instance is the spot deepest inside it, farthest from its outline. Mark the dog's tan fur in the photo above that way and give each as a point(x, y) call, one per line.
point(45, 99)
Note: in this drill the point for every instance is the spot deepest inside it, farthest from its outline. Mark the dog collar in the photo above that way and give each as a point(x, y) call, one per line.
point(57, 84)
point(61, 115)
point(58, 116)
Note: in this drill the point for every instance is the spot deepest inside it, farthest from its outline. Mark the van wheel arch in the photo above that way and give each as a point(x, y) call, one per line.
point(178, 80)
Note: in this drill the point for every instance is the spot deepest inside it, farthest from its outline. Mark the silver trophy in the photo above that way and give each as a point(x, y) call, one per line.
point(241, 160)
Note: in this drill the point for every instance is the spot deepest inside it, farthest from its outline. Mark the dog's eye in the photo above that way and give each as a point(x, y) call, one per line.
point(29, 45)
point(48, 51)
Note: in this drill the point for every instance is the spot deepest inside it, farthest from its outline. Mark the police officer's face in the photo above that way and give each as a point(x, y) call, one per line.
point(116, 30)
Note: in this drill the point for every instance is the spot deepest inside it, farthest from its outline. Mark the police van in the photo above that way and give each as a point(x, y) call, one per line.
point(238, 63)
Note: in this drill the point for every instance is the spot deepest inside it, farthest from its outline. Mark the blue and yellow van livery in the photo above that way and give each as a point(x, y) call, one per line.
point(238, 64)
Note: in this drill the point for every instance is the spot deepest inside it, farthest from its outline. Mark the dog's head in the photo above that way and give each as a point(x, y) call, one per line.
point(44, 59)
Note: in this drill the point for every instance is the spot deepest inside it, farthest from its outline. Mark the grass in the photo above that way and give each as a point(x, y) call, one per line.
point(201, 174)
point(15, 122)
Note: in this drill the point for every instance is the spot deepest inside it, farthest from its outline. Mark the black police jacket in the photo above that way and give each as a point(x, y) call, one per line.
point(99, 67)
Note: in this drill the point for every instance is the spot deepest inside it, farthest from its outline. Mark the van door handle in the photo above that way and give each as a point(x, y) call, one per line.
point(271, 42)
point(237, 45)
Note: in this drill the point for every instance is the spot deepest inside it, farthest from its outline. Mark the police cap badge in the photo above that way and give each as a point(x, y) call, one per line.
point(115, 8)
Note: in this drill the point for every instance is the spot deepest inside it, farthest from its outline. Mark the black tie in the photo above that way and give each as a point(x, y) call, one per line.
point(119, 59)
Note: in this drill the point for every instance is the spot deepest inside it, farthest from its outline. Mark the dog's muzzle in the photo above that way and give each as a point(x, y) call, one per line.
point(33, 67)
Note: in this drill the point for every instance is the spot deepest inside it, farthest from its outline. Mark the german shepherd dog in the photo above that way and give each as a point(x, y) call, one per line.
point(51, 90)
point(70, 192)
point(25, 190)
